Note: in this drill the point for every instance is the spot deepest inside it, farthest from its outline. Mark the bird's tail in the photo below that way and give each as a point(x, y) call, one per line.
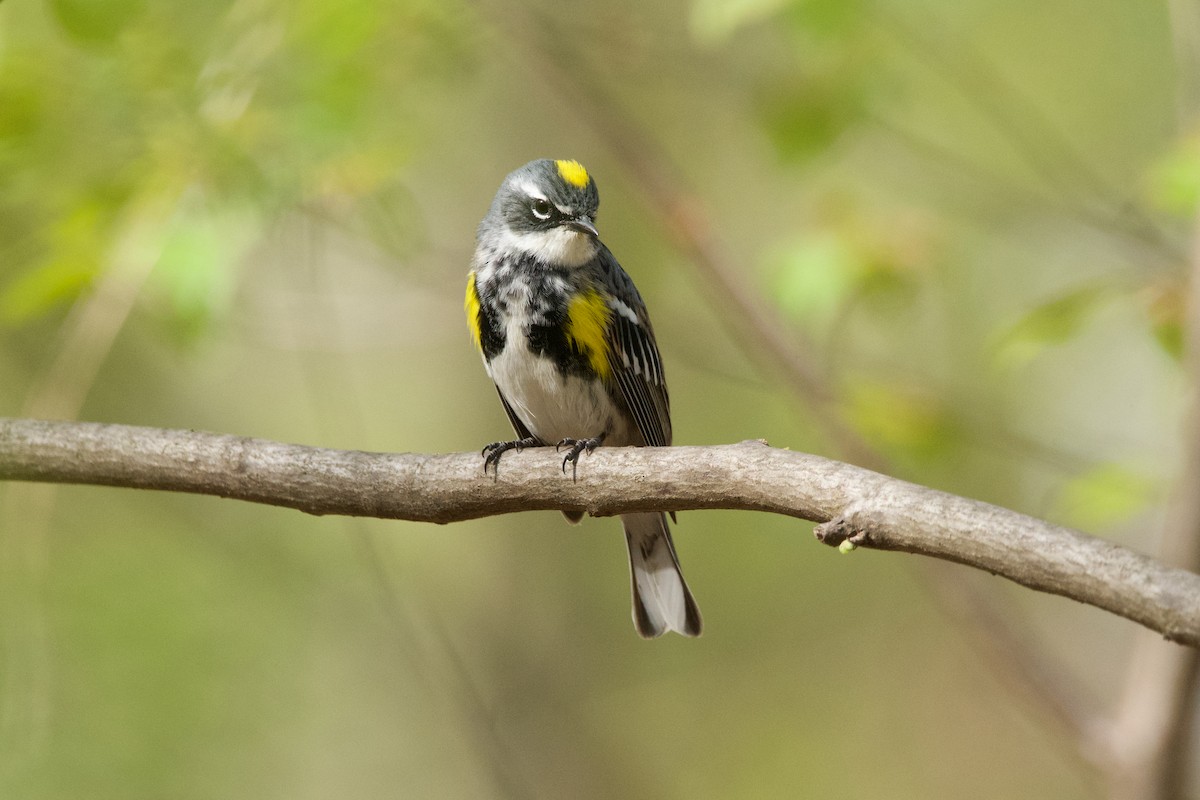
point(661, 598)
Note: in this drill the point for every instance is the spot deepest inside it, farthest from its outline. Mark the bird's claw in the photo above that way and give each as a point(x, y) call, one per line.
point(577, 446)
point(491, 453)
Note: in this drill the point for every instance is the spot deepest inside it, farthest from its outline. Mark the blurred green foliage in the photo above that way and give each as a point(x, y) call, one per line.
point(1175, 179)
point(1051, 323)
point(255, 217)
point(218, 109)
point(1105, 494)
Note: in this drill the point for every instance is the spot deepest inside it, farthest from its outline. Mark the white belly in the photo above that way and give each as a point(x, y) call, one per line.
point(551, 405)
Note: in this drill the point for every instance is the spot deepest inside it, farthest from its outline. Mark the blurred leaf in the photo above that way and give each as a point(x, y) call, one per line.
point(73, 247)
point(813, 96)
point(1167, 309)
point(22, 103)
point(39, 290)
point(813, 277)
point(196, 273)
point(1175, 178)
point(714, 21)
point(827, 17)
point(854, 257)
point(1051, 323)
point(1105, 495)
point(913, 422)
point(896, 247)
point(96, 21)
point(1169, 336)
point(805, 114)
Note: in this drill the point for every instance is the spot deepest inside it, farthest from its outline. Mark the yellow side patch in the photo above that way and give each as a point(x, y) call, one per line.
point(472, 308)
point(588, 316)
point(573, 173)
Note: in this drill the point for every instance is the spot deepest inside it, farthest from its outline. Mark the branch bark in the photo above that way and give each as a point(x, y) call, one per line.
point(853, 504)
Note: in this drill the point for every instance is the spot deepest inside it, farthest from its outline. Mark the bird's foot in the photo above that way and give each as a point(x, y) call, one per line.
point(492, 452)
point(577, 446)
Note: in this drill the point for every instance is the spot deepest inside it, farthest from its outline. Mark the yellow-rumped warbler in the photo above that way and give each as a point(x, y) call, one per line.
point(565, 337)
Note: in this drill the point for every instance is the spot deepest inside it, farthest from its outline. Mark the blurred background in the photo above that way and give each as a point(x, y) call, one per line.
point(950, 241)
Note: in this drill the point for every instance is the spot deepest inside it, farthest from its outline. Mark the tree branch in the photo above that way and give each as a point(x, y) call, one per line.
point(853, 504)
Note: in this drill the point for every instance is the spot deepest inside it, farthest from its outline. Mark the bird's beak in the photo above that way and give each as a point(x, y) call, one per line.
point(583, 225)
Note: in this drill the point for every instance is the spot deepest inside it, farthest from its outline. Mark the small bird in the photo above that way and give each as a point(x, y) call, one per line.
point(566, 338)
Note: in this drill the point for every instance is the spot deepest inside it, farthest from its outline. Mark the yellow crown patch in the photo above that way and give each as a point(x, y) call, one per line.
point(573, 173)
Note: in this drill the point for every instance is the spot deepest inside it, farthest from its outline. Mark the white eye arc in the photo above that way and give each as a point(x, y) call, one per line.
point(541, 208)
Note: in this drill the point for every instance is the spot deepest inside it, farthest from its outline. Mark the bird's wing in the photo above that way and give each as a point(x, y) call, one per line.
point(637, 365)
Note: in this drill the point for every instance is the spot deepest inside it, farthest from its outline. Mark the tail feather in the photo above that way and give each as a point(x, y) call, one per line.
point(661, 598)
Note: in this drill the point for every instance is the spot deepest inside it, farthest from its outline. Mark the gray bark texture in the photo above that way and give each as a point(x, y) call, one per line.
point(854, 505)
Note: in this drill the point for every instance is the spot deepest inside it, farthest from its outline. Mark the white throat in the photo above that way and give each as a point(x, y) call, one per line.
point(558, 246)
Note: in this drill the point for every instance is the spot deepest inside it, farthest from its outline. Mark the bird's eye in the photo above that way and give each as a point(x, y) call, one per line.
point(542, 208)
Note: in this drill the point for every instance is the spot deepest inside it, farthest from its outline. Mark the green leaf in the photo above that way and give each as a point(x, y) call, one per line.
point(1051, 323)
point(96, 21)
point(1104, 495)
point(196, 274)
point(804, 115)
point(1174, 181)
point(37, 291)
point(814, 276)
point(829, 18)
point(714, 21)
point(1167, 311)
point(916, 423)
point(71, 257)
